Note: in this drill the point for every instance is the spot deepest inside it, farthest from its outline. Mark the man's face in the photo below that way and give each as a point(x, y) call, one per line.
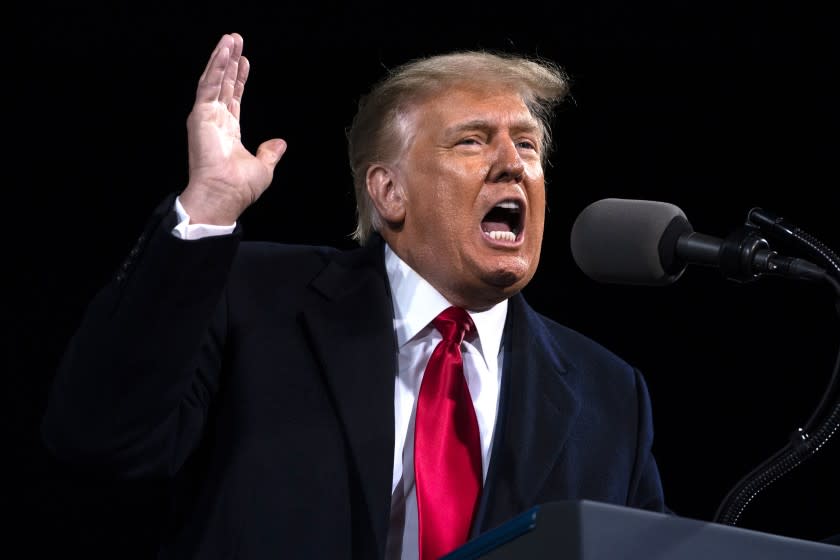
point(474, 192)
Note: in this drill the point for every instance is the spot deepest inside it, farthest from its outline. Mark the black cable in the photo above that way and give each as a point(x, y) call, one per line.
point(801, 447)
point(825, 420)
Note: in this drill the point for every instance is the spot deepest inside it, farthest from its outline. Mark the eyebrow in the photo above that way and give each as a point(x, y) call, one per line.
point(521, 125)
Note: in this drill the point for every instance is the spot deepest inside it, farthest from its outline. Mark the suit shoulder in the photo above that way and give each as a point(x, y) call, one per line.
point(586, 349)
point(266, 263)
point(258, 252)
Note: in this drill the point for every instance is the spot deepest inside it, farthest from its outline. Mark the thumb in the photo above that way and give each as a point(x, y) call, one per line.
point(270, 151)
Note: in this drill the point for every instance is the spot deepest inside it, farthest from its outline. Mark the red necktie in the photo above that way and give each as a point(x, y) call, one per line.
point(447, 449)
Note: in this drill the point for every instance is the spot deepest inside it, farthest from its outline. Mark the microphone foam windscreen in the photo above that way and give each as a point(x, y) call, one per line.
point(617, 240)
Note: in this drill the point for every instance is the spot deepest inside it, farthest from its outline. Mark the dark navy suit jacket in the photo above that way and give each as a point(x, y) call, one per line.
point(260, 378)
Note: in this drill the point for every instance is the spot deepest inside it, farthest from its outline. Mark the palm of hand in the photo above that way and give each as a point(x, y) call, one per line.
point(217, 156)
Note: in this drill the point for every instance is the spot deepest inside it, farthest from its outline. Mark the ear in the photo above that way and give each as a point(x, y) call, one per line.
point(386, 193)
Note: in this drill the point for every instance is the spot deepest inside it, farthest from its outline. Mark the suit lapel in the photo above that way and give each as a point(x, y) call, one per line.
point(351, 331)
point(536, 413)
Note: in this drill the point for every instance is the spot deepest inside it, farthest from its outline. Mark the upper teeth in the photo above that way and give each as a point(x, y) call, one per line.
point(508, 205)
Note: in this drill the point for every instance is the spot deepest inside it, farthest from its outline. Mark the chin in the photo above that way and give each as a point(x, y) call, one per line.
point(493, 283)
point(504, 279)
point(509, 274)
point(502, 284)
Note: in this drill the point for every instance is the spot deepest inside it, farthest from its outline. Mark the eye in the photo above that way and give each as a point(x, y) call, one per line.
point(468, 142)
point(526, 144)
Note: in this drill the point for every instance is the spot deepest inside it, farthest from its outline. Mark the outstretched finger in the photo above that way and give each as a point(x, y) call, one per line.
point(239, 86)
point(224, 41)
point(210, 83)
point(231, 71)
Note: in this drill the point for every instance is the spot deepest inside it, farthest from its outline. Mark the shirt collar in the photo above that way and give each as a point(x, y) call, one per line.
point(416, 303)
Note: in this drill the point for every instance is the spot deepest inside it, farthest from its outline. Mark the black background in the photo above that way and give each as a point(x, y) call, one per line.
point(716, 107)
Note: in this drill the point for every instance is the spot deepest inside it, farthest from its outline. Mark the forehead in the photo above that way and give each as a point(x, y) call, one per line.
point(458, 104)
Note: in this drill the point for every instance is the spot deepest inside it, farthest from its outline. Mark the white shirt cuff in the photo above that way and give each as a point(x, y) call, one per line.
point(186, 230)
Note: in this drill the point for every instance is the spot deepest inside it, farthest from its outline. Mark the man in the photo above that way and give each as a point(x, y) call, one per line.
point(282, 386)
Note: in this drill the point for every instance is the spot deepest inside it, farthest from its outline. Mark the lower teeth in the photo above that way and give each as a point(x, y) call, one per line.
point(502, 235)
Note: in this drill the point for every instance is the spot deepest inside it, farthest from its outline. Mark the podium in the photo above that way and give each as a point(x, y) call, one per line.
point(586, 530)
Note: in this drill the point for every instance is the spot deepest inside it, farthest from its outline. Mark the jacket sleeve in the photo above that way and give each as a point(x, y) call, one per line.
point(646, 486)
point(132, 390)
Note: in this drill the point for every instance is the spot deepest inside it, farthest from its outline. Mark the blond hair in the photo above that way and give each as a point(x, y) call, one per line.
point(376, 134)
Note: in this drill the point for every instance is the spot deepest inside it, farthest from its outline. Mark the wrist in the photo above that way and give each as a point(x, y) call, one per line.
point(204, 207)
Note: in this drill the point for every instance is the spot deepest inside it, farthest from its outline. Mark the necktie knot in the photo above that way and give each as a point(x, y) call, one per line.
point(453, 323)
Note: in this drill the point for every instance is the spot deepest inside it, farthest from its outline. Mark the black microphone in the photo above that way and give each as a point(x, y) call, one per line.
point(646, 242)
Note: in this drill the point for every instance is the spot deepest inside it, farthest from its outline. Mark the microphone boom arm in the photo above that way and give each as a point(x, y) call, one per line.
point(825, 420)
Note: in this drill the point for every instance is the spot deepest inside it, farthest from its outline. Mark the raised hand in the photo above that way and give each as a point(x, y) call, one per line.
point(224, 177)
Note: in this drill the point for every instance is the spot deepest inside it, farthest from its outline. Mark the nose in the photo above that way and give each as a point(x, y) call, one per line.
point(507, 165)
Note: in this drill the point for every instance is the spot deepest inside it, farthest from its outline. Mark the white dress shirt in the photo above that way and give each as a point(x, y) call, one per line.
point(416, 303)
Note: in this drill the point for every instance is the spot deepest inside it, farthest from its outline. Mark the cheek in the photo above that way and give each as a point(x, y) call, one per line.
point(539, 214)
point(536, 187)
point(456, 191)
point(536, 216)
point(460, 168)
point(537, 196)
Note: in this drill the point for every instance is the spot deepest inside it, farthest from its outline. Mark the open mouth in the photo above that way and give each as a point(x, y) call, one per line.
point(504, 221)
